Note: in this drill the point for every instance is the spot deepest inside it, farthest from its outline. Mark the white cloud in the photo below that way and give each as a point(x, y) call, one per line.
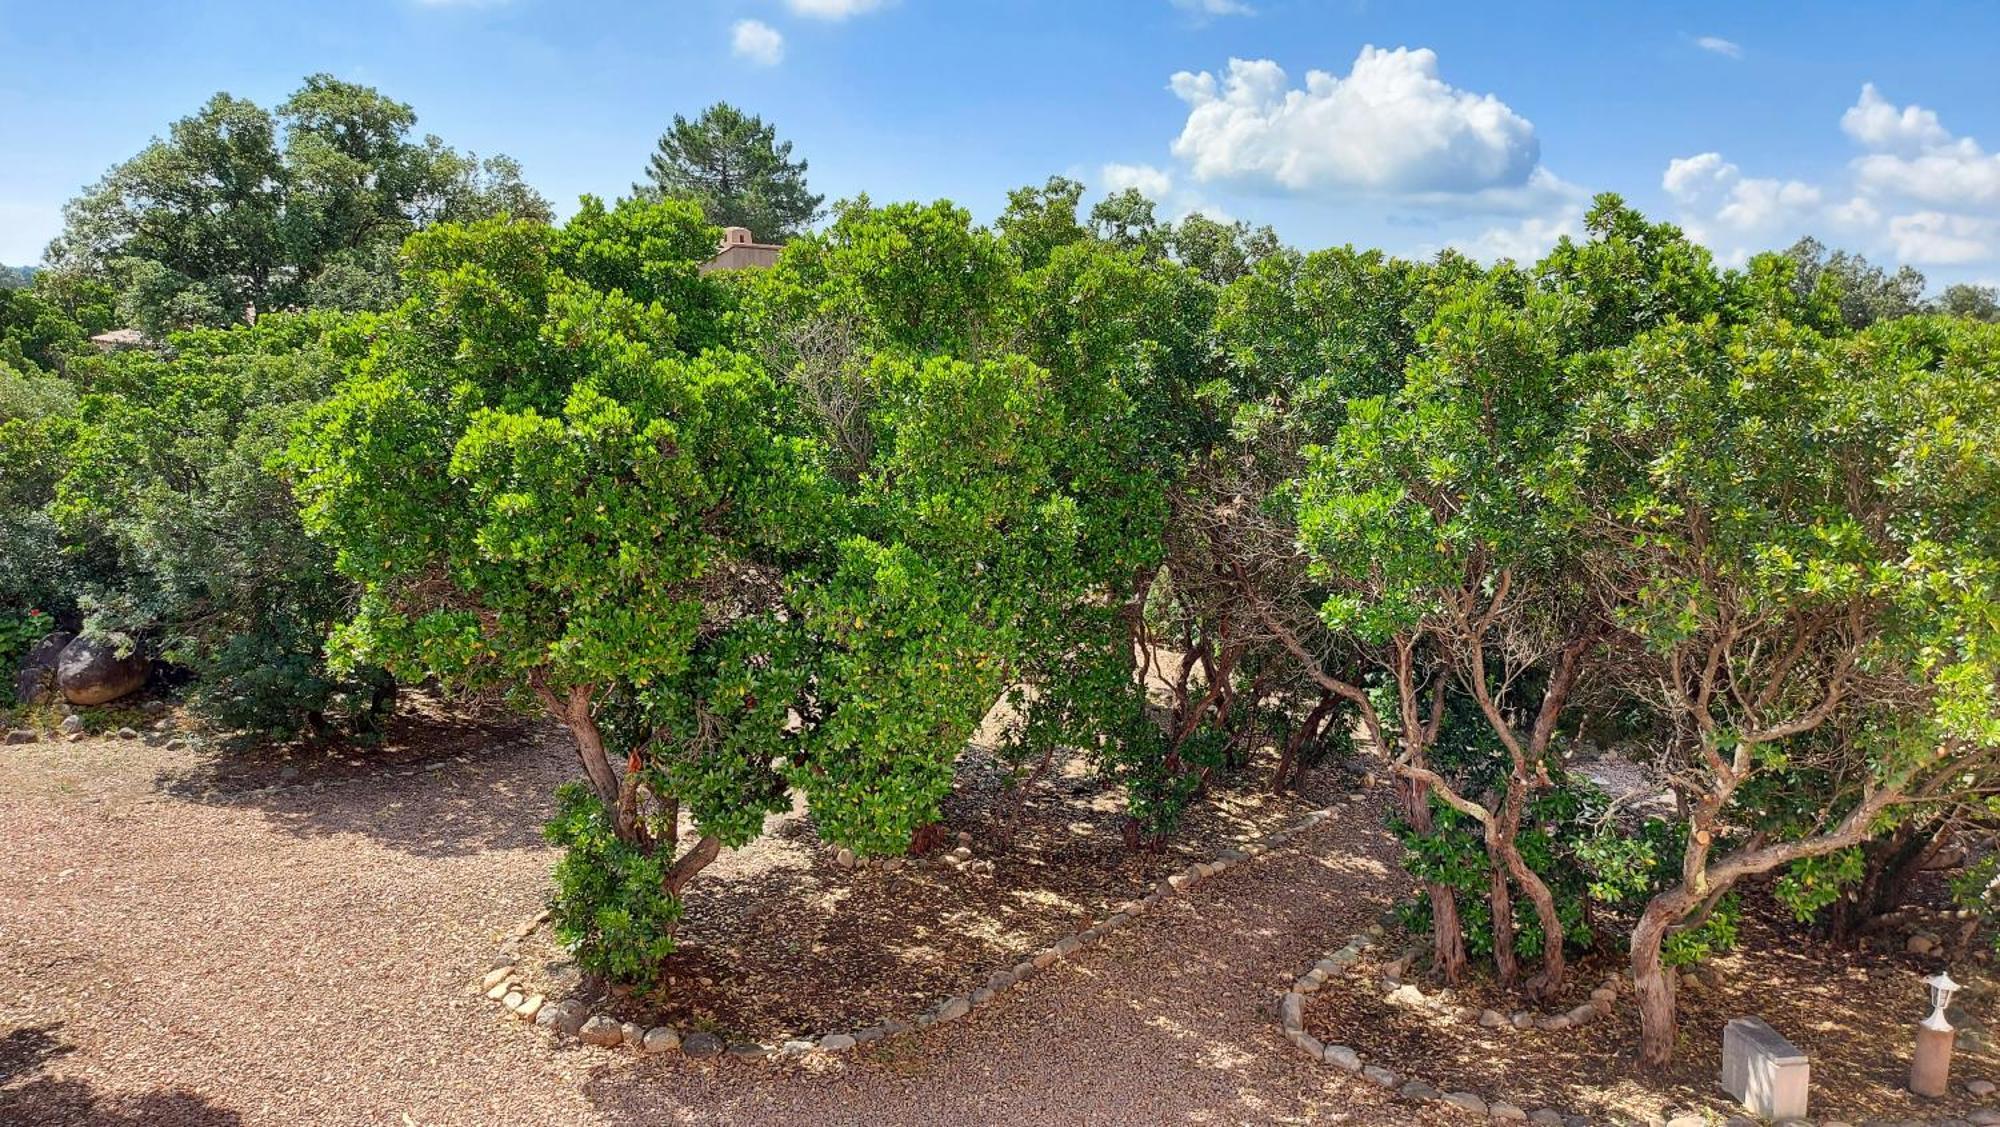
point(1917, 194)
point(1390, 126)
point(1691, 178)
point(1913, 155)
point(1526, 240)
point(832, 9)
point(1207, 8)
point(1152, 183)
point(1878, 124)
point(1934, 238)
point(757, 41)
point(1716, 44)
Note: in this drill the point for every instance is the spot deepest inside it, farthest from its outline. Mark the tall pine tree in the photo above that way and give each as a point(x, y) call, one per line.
point(734, 166)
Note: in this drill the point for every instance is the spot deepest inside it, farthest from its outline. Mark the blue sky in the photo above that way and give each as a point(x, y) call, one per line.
point(1409, 126)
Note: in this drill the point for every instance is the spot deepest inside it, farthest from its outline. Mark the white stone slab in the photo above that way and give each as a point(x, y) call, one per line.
point(1767, 1074)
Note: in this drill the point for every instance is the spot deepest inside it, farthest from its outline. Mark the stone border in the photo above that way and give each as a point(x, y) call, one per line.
point(1343, 962)
point(571, 1019)
point(958, 857)
point(1291, 1018)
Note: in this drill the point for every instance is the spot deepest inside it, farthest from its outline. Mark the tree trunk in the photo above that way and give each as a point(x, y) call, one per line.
point(1655, 991)
point(1447, 932)
point(1501, 899)
point(1507, 834)
point(1447, 935)
point(693, 861)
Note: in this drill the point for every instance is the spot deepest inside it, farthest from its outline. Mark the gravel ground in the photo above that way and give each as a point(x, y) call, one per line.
point(304, 957)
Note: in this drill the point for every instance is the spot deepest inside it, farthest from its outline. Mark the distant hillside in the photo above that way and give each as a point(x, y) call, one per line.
point(12, 277)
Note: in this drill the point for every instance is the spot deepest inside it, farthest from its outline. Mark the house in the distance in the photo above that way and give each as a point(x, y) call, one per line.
point(740, 252)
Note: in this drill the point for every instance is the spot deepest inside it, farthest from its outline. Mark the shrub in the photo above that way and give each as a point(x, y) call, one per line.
point(611, 906)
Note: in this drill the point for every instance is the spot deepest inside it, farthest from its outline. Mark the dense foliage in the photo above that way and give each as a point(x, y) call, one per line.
point(240, 209)
point(1179, 497)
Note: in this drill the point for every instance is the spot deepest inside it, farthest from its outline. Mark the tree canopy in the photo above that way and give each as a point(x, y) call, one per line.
point(733, 165)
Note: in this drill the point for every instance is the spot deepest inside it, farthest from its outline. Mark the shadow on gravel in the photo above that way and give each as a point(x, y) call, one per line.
point(441, 786)
point(26, 1097)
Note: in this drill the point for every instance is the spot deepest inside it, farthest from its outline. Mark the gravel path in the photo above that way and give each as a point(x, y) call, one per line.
point(304, 957)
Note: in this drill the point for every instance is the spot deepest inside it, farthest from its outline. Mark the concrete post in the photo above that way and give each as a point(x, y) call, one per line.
point(1930, 1069)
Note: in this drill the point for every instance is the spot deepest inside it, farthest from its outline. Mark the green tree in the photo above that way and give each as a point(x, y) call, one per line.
point(734, 166)
point(239, 209)
point(608, 546)
point(1038, 220)
point(1796, 534)
point(168, 470)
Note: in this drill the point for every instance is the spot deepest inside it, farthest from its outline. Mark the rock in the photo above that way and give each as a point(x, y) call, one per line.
point(72, 725)
point(1984, 1117)
point(1545, 1115)
point(1067, 946)
point(1582, 1014)
point(1380, 1075)
point(844, 858)
point(569, 1018)
point(36, 677)
point(601, 1031)
point(128, 734)
point(962, 853)
point(748, 1050)
point(798, 1046)
point(1505, 1112)
point(90, 671)
point(1921, 943)
point(836, 1042)
point(513, 999)
point(495, 977)
point(982, 995)
point(1554, 1024)
point(1603, 995)
point(632, 1033)
point(954, 1008)
point(1307, 1043)
point(530, 1007)
point(1418, 1090)
point(1345, 957)
point(702, 1046)
point(965, 837)
point(1046, 959)
point(1688, 1121)
point(1406, 995)
point(660, 1039)
point(1343, 1057)
point(1327, 968)
point(1492, 1019)
point(1178, 881)
point(23, 736)
point(1980, 1087)
point(499, 991)
point(892, 864)
point(1291, 1011)
point(1467, 1102)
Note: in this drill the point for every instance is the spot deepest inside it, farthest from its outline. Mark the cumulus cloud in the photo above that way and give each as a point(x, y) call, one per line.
point(757, 41)
point(1715, 44)
point(1936, 238)
point(1390, 126)
point(1153, 183)
point(1917, 193)
point(832, 9)
point(1526, 240)
point(1878, 124)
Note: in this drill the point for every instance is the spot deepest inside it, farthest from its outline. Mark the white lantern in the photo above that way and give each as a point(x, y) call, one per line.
point(1942, 988)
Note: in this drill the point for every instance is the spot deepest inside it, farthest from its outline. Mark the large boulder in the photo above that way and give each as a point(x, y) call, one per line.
point(91, 672)
point(37, 676)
